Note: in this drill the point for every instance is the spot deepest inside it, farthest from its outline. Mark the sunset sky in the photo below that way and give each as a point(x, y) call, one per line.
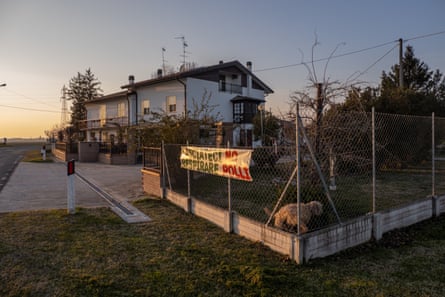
point(46, 42)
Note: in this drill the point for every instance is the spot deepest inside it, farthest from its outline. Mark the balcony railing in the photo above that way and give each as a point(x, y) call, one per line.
point(230, 88)
point(101, 123)
point(152, 158)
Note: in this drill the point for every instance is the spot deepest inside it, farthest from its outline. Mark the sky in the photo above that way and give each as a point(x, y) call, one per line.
point(44, 43)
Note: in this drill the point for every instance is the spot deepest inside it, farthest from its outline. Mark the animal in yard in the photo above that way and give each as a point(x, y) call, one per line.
point(287, 216)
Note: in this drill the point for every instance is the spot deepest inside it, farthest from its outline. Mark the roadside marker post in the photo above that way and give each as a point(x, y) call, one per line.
point(71, 192)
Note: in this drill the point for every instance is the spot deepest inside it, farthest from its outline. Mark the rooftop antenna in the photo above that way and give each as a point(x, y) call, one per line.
point(184, 45)
point(64, 113)
point(163, 60)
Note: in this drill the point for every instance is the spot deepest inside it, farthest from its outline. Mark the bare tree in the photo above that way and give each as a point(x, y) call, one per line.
point(327, 92)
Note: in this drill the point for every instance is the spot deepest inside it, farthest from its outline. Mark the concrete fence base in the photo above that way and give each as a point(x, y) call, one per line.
point(317, 244)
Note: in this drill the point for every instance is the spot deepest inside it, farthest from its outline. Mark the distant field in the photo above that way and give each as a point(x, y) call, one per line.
point(95, 253)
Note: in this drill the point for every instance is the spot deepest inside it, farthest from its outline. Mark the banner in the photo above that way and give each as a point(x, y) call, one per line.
point(231, 163)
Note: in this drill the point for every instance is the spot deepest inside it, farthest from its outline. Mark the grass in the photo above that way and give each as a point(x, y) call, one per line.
point(36, 156)
point(353, 197)
point(94, 253)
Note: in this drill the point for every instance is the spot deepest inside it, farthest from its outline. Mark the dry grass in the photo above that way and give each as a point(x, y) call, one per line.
point(36, 156)
point(94, 253)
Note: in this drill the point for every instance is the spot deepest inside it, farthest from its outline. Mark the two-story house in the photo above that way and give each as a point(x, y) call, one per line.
point(232, 88)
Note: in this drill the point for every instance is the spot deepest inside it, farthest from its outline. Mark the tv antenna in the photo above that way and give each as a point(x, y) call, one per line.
point(184, 52)
point(64, 113)
point(163, 60)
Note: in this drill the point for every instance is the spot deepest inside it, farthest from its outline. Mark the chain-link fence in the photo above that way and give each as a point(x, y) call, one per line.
point(353, 163)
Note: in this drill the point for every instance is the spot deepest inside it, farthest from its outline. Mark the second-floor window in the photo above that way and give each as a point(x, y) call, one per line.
point(121, 110)
point(103, 114)
point(171, 104)
point(146, 107)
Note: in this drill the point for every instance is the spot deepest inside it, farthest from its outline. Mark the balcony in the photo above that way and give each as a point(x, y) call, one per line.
point(103, 123)
point(230, 88)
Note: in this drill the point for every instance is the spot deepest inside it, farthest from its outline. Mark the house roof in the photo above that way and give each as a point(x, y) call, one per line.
point(200, 70)
point(108, 97)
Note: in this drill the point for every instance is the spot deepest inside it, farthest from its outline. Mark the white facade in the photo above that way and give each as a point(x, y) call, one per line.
point(225, 85)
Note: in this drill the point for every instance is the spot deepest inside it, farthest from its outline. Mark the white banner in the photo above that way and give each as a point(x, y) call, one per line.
point(231, 163)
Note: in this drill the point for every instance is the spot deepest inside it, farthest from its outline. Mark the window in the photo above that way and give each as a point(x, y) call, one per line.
point(222, 83)
point(146, 107)
point(238, 112)
point(121, 110)
point(103, 114)
point(171, 104)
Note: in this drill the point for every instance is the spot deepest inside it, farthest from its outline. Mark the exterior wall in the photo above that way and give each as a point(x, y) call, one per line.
point(157, 94)
point(197, 87)
point(63, 156)
point(402, 217)
point(93, 114)
point(88, 151)
point(221, 100)
point(114, 159)
point(337, 238)
point(151, 183)
point(439, 205)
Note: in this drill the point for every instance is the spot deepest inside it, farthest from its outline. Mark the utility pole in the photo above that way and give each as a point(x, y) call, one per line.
point(319, 114)
point(401, 63)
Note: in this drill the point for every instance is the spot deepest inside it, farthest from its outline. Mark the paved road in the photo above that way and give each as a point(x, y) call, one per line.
point(10, 155)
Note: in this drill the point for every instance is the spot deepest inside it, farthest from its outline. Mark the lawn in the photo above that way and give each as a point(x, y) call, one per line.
point(95, 253)
point(36, 156)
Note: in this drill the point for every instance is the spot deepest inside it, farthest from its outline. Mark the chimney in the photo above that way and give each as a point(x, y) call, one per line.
point(131, 79)
point(249, 65)
point(221, 62)
point(159, 73)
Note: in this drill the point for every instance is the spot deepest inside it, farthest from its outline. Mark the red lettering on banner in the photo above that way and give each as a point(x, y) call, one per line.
point(239, 172)
point(231, 154)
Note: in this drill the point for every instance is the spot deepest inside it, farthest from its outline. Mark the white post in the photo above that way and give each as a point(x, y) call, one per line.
point(43, 152)
point(229, 197)
point(71, 192)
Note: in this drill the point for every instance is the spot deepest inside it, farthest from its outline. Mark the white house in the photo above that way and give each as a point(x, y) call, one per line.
point(232, 88)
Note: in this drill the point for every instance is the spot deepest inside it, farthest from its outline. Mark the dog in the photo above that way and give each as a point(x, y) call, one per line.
point(287, 217)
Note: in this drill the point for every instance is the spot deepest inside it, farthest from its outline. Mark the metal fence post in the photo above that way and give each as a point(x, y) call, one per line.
point(229, 197)
point(163, 168)
point(433, 157)
point(373, 162)
point(297, 157)
point(188, 179)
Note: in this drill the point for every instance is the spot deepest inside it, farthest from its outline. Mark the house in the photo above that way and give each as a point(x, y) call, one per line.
point(231, 87)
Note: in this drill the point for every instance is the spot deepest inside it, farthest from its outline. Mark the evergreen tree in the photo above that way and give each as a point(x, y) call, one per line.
point(82, 88)
point(423, 90)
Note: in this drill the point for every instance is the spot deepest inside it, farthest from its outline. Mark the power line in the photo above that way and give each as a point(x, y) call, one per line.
point(350, 53)
point(373, 64)
point(425, 36)
point(332, 57)
point(30, 109)
point(27, 97)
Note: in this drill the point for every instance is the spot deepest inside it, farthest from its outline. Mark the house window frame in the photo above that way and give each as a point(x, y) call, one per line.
point(171, 104)
point(103, 114)
point(121, 110)
point(146, 107)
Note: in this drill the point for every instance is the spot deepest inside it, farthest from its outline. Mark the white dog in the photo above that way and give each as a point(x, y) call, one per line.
point(287, 216)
